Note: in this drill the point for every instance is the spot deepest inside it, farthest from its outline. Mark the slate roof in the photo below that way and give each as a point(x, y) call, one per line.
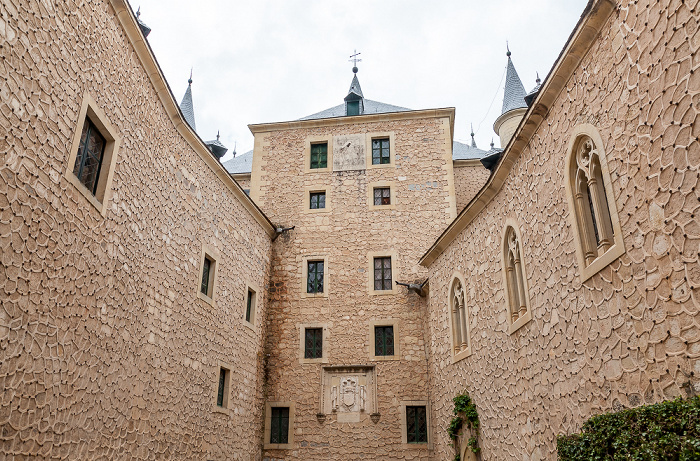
point(461, 151)
point(355, 87)
point(187, 108)
point(371, 107)
point(514, 91)
point(240, 164)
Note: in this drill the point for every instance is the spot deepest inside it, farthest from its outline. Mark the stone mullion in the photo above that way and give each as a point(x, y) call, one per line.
point(512, 293)
point(585, 220)
point(600, 209)
point(463, 326)
point(456, 330)
point(520, 284)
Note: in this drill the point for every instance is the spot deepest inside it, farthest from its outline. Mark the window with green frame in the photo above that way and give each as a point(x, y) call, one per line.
point(250, 305)
point(313, 343)
point(384, 340)
point(207, 276)
point(279, 425)
point(314, 277)
point(221, 393)
point(319, 155)
point(416, 424)
point(380, 151)
point(382, 273)
point(317, 200)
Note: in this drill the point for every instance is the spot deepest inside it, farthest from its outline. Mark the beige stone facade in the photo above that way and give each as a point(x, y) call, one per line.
point(111, 345)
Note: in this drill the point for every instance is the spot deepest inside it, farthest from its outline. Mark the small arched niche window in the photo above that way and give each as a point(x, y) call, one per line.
point(461, 345)
point(515, 280)
point(598, 232)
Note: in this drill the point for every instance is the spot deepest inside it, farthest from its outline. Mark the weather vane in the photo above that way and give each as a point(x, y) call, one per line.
point(354, 59)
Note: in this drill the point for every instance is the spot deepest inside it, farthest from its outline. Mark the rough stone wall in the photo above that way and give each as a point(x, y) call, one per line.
point(630, 335)
point(244, 182)
point(346, 234)
point(105, 349)
point(468, 181)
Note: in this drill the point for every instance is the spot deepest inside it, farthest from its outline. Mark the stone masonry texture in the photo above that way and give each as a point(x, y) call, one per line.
point(105, 350)
point(468, 181)
point(629, 335)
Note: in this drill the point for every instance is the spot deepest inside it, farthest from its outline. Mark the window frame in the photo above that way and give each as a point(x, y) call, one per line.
point(381, 150)
point(404, 424)
point(618, 246)
point(254, 308)
point(314, 351)
point(466, 352)
point(305, 275)
point(369, 137)
point(307, 199)
point(225, 408)
point(391, 185)
point(394, 272)
point(311, 140)
point(302, 342)
point(392, 322)
point(213, 255)
point(89, 110)
point(513, 326)
point(268, 426)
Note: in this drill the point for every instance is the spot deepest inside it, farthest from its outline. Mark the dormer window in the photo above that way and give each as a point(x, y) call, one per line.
point(353, 108)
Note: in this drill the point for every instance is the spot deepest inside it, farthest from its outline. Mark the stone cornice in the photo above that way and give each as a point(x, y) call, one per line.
point(148, 61)
point(589, 26)
point(467, 162)
point(357, 119)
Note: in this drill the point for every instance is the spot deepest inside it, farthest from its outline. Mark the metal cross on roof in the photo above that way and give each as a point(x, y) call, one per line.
point(354, 59)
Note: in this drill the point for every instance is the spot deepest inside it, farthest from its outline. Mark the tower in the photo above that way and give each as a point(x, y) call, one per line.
point(514, 106)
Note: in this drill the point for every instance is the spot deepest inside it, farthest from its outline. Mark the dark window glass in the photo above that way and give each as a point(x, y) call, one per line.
point(319, 155)
point(382, 273)
point(314, 282)
point(249, 306)
point(380, 151)
point(353, 108)
point(317, 200)
point(279, 425)
point(384, 340)
point(313, 343)
point(208, 263)
point(88, 161)
point(382, 196)
point(222, 387)
point(416, 425)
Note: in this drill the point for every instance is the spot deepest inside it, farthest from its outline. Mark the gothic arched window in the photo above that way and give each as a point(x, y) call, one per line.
point(515, 280)
point(597, 227)
point(461, 346)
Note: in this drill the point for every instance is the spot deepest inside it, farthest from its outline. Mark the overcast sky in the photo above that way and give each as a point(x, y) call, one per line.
point(276, 60)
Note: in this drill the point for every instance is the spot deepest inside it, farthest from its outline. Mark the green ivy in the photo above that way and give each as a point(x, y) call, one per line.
point(664, 431)
point(464, 412)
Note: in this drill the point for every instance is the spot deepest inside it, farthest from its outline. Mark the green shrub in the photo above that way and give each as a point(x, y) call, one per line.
point(664, 431)
point(465, 412)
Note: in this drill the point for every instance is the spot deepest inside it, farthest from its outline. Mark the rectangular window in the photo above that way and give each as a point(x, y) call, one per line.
point(416, 425)
point(382, 196)
point(353, 107)
point(313, 343)
point(88, 161)
point(384, 340)
point(314, 280)
point(222, 394)
point(250, 306)
point(317, 200)
point(382, 273)
point(207, 276)
point(319, 155)
point(279, 425)
point(380, 151)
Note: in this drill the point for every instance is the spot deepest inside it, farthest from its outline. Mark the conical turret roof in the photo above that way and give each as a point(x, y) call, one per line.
point(514, 91)
point(186, 105)
point(355, 87)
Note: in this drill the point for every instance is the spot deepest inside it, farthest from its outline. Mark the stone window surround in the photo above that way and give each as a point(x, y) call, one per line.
point(368, 149)
point(307, 199)
point(307, 153)
point(511, 223)
point(370, 196)
point(268, 421)
point(302, 337)
point(225, 409)
point(618, 247)
point(90, 109)
point(253, 310)
point(456, 357)
point(213, 274)
point(305, 275)
point(397, 348)
point(370, 270)
point(404, 427)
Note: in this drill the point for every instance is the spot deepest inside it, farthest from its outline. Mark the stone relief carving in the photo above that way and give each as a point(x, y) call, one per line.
point(348, 392)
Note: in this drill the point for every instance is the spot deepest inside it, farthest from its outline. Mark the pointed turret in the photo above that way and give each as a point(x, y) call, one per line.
point(186, 105)
point(355, 100)
point(216, 148)
point(534, 92)
point(514, 106)
point(142, 25)
point(472, 132)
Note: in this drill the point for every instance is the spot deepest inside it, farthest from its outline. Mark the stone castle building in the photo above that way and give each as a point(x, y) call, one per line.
point(326, 295)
